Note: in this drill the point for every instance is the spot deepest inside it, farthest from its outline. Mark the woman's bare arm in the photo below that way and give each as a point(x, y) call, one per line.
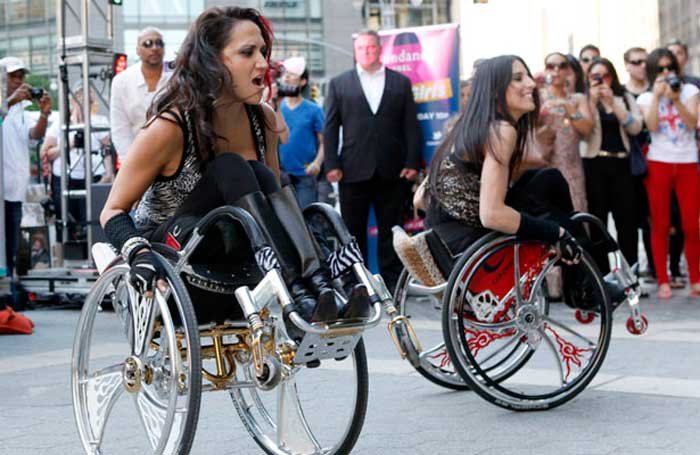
point(272, 133)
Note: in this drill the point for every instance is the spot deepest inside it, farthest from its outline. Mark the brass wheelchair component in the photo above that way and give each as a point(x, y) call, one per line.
point(135, 373)
point(403, 320)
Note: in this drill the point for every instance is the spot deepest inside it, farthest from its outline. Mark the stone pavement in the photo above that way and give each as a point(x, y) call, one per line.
point(645, 400)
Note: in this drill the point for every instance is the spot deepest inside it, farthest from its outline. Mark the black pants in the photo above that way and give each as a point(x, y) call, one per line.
point(643, 219)
point(77, 212)
point(610, 187)
point(388, 197)
point(226, 179)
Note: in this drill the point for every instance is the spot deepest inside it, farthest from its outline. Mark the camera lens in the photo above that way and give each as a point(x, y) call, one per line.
point(674, 82)
point(36, 92)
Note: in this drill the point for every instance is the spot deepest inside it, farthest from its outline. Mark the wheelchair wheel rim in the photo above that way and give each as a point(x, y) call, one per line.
point(296, 434)
point(434, 360)
point(523, 389)
point(159, 383)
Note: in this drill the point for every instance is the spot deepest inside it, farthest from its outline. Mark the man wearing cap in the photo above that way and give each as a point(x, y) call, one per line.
point(17, 130)
point(302, 156)
point(133, 90)
point(380, 146)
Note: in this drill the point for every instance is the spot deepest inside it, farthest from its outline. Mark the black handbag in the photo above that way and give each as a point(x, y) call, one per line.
point(638, 164)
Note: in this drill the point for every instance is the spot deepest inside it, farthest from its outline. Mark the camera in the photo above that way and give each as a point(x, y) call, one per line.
point(287, 90)
point(79, 140)
point(36, 92)
point(597, 78)
point(674, 82)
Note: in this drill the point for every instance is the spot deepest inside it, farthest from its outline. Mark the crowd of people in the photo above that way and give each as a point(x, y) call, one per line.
point(572, 136)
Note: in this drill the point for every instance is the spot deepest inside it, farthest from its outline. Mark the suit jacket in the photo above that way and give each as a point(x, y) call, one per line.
point(381, 143)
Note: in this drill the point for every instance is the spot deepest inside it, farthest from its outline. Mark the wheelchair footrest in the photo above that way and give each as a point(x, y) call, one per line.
point(335, 345)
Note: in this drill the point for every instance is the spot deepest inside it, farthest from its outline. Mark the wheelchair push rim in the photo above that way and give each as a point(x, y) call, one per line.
point(157, 366)
point(558, 356)
point(281, 421)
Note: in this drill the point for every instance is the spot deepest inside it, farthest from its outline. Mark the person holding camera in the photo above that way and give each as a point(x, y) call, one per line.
point(301, 157)
point(605, 152)
point(51, 156)
point(670, 112)
point(17, 131)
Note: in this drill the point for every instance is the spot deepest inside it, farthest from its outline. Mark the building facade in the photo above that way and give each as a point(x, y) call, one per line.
point(681, 19)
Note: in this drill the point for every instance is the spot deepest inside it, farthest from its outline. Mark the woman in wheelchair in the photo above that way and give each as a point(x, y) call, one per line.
point(210, 141)
point(471, 188)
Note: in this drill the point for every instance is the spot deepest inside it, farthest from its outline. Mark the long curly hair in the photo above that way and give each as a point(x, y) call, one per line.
point(199, 75)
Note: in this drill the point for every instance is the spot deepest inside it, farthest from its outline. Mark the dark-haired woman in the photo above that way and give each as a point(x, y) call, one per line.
point(210, 143)
point(605, 152)
point(565, 118)
point(471, 172)
point(575, 80)
point(670, 112)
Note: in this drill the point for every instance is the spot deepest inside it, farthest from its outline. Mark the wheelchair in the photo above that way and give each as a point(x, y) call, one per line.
point(501, 336)
point(219, 327)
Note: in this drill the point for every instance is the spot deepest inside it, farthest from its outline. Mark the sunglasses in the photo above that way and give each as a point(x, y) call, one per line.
point(599, 78)
point(561, 66)
point(149, 43)
point(636, 62)
point(670, 68)
point(586, 59)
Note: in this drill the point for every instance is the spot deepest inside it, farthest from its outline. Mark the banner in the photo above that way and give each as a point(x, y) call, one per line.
point(429, 57)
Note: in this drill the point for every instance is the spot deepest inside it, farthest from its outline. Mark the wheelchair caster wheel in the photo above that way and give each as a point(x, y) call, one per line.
point(584, 317)
point(633, 330)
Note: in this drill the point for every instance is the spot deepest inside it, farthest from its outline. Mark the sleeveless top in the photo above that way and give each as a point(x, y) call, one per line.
point(165, 195)
point(456, 193)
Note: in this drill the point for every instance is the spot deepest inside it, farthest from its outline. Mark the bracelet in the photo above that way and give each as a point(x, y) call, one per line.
point(44, 115)
point(133, 246)
point(576, 116)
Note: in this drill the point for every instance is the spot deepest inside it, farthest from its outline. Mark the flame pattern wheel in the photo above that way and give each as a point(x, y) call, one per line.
point(146, 351)
point(527, 355)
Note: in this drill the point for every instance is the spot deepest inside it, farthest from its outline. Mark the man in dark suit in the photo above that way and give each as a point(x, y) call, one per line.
point(380, 146)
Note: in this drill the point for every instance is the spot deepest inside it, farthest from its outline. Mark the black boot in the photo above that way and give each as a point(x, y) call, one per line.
point(313, 269)
point(309, 307)
point(358, 304)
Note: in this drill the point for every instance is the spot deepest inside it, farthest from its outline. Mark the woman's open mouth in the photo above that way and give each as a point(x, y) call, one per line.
point(259, 81)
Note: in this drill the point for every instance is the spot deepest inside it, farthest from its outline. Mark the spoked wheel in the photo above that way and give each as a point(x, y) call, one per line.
point(508, 343)
point(434, 362)
point(311, 411)
point(146, 351)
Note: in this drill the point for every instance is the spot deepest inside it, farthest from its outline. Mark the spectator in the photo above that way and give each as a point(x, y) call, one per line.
point(680, 50)
point(575, 80)
point(675, 246)
point(16, 133)
point(605, 152)
point(133, 90)
point(302, 156)
point(635, 63)
point(51, 155)
point(670, 112)
point(586, 56)
point(566, 118)
point(380, 146)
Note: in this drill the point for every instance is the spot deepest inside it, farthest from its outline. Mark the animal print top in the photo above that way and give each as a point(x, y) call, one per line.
point(166, 194)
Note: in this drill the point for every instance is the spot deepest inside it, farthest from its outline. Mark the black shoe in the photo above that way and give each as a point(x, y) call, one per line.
point(358, 306)
point(616, 292)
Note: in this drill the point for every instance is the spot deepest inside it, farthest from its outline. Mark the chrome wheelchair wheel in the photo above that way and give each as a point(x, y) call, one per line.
point(507, 342)
point(147, 349)
point(433, 361)
point(311, 410)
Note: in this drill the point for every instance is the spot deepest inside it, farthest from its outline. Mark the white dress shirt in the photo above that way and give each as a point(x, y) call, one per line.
point(77, 163)
point(372, 86)
point(15, 152)
point(129, 101)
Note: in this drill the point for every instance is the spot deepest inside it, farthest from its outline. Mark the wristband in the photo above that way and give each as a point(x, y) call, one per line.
point(532, 228)
point(119, 229)
point(629, 120)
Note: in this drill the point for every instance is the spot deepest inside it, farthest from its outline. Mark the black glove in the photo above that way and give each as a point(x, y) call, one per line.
point(146, 269)
point(569, 249)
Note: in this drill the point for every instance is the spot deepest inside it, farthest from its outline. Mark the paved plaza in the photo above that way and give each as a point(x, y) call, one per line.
point(645, 400)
